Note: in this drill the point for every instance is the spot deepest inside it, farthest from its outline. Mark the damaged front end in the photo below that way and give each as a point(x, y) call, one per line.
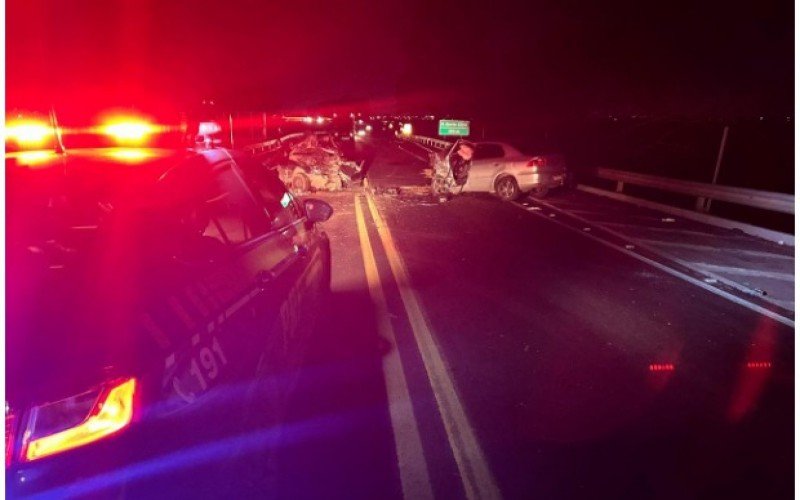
point(316, 163)
point(450, 169)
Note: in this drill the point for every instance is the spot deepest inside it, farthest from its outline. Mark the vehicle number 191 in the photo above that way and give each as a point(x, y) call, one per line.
point(204, 366)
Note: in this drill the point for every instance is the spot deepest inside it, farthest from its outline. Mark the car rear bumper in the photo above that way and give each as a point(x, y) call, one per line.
point(528, 182)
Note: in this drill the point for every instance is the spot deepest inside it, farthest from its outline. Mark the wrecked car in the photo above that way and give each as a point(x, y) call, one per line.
point(309, 162)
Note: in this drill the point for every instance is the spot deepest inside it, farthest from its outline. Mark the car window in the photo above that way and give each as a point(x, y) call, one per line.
point(230, 214)
point(488, 150)
point(279, 203)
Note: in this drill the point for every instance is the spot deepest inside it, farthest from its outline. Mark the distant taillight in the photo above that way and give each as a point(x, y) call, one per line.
point(661, 367)
point(536, 162)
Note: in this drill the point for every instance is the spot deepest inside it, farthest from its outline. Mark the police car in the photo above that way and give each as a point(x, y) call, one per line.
point(158, 301)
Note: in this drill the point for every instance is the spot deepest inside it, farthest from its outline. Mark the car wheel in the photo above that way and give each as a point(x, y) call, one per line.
point(301, 183)
point(507, 188)
point(540, 191)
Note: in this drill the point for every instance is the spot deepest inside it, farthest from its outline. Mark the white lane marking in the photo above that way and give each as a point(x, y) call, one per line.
point(707, 248)
point(408, 443)
point(705, 286)
point(741, 271)
point(666, 255)
point(477, 478)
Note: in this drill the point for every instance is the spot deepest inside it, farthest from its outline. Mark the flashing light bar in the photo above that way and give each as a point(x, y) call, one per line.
point(128, 130)
point(29, 133)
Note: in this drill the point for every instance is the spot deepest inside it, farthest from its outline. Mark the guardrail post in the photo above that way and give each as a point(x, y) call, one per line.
point(700, 204)
point(707, 203)
point(620, 185)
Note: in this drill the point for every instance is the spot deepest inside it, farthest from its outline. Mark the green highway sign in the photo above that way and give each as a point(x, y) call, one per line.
point(453, 127)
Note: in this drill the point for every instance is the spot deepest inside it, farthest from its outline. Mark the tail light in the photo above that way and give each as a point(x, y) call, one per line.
point(79, 420)
point(536, 162)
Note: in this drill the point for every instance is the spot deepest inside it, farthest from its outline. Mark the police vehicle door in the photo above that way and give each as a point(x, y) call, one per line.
point(240, 292)
point(302, 274)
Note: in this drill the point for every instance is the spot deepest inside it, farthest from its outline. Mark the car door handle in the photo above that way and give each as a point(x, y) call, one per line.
point(265, 276)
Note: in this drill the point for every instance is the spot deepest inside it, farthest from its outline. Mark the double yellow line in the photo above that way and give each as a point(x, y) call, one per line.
point(476, 477)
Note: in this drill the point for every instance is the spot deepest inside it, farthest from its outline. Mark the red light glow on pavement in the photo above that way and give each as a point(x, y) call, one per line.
point(661, 367)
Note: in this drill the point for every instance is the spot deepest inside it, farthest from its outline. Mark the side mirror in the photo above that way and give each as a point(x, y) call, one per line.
point(317, 210)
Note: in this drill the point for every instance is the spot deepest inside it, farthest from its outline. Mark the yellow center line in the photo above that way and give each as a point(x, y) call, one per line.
point(408, 444)
point(477, 478)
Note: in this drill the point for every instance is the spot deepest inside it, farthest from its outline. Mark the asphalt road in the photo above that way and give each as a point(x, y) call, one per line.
point(492, 352)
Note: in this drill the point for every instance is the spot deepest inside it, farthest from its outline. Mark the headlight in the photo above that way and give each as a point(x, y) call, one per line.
point(79, 420)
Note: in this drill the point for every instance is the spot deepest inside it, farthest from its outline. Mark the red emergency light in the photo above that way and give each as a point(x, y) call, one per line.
point(128, 130)
point(29, 134)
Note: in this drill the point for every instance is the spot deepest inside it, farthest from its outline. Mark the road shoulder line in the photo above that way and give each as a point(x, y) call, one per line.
point(685, 277)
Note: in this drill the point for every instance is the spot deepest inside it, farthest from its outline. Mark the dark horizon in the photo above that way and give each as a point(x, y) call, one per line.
point(710, 59)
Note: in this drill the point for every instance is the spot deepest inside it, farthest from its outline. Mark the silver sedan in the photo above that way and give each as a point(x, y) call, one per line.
point(503, 170)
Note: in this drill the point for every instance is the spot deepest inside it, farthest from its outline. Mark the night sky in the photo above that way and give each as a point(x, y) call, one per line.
point(577, 57)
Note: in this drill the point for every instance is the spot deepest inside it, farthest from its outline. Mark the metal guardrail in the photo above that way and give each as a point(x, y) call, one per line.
point(261, 147)
point(430, 141)
point(767, 200)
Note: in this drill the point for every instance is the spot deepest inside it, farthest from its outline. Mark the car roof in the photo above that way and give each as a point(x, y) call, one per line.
point(508, 148)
